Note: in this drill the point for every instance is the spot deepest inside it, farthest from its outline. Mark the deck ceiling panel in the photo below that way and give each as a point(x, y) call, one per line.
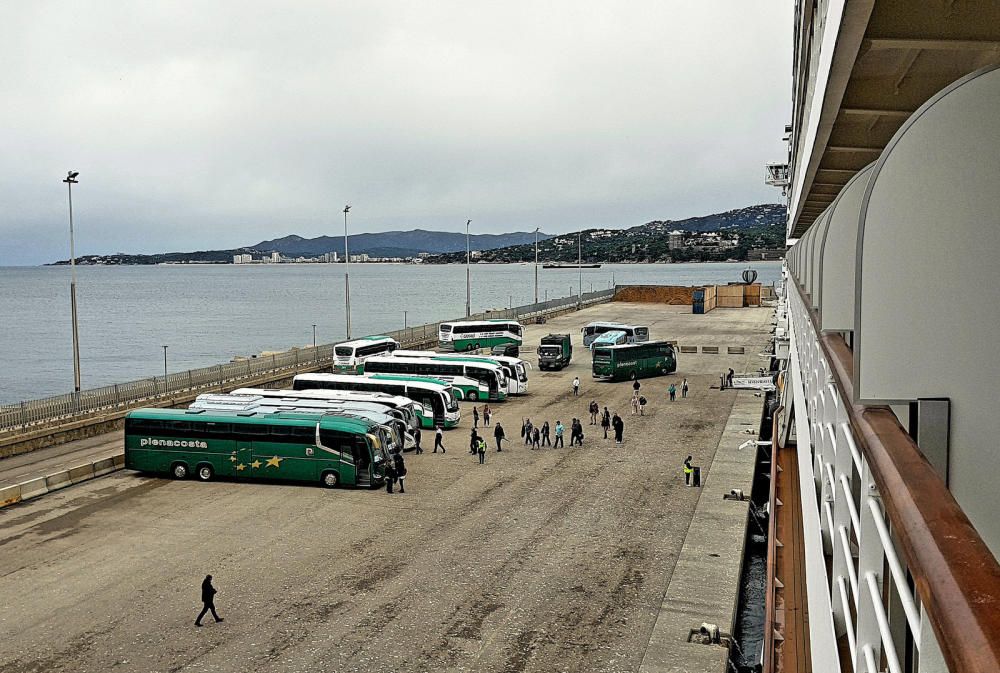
point(910, 51)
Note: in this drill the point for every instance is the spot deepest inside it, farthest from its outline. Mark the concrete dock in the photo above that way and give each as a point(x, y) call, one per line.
point(591, 558)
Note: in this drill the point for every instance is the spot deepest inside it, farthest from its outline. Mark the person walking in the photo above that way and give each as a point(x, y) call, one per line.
point(673, 392)
point(208, 601)
point(438, 436)
point(499, 436)
point(535, 435)
point(481, 447)
point(729, 377)
point(594, 410)
point(576, 434)
point(528, 427)
point(416, 441)
point(606, 422)
point(688, 471)
point(400, 466)
point(486, 415)
point(576, 386)
point(475, 417)
point(642, 405)
point(684, 388)
point(473, 441)
point(635, 403)
point(546, 440)
point(559, 435)
point(636, 385)
point(390, 475)
point(619, 426)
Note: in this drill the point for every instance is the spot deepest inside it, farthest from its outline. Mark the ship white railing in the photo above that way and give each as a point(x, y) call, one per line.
point(894, 568)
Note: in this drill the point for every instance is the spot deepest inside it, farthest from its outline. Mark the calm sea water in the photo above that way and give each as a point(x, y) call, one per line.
point(208, 314)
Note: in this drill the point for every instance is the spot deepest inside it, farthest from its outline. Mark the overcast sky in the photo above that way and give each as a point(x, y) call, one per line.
point(202, 125)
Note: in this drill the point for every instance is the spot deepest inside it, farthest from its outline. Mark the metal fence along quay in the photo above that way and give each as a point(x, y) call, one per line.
point(122, 396)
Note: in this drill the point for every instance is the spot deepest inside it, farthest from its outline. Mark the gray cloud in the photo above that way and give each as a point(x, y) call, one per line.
point(206, 125)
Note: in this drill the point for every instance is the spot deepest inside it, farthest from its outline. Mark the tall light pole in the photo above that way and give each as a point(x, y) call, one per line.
point(164, 369)
point(404, 319)
point(536, 265)
point(468, 272)
point(579, 263)
point(347, 275)
point(70, 181)
point(314, 336)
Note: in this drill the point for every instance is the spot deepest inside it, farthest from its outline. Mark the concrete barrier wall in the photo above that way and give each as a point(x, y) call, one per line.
point(33, 488)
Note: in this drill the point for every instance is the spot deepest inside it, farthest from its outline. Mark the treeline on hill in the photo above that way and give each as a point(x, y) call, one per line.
point(600, 245)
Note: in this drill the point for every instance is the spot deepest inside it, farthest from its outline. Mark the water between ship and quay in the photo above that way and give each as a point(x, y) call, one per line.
point(207, 314)
point(591, 558)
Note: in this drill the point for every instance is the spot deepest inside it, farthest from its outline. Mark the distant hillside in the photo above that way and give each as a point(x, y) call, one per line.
point(760, 226)
point(401, 243)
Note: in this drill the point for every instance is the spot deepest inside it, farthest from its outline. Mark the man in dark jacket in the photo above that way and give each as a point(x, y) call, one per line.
point(390, 476)
point(416, 440)
point(208, 599)
point(400, 470)
point(499, 435)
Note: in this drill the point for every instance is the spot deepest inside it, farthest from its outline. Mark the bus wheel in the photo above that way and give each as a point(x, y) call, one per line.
point(476, 347)
point(179, 470)
point(472, 396)
point(330, 479)
point(634, 376)
point(205, 472)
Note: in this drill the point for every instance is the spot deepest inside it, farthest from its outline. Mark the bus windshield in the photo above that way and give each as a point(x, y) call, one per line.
point(344, 351)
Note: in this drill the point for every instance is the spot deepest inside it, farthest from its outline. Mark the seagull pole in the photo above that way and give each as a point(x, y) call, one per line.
point(70, 181)
point(347, 275)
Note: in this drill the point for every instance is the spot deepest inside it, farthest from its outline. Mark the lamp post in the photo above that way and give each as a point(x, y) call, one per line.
point(164, 369)
point(468, 272)
point(404, 319)
point(579, 264)
point(70, 181)
point(536, 265)
point(347, 275)
point(314, 336)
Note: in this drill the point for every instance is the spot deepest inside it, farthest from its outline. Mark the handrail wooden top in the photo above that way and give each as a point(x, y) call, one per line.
point(957, 576)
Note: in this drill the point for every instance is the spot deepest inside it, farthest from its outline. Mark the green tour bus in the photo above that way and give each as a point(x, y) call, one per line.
point(468, 335)
point(634, 361)
point(295, 446)
point(488, 373)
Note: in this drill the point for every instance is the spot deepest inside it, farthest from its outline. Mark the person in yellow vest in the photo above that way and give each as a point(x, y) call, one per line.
point(688, 471)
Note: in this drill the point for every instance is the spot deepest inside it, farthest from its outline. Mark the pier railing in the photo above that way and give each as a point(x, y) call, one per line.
point(120, 396)
point(893, 565)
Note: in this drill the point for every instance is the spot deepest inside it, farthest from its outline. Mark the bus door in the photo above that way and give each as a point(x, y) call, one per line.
point(362, 460)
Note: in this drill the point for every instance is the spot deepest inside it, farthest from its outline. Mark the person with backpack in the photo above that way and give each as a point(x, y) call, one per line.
point(559, 435)
point(606, 422)
point(400, 470)
point(545, 434)
point(390, 476)
point(594, 410)
point(499, 436)
point(619, 426)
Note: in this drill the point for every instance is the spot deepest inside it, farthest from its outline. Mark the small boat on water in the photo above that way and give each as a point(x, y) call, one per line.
point(554, 265)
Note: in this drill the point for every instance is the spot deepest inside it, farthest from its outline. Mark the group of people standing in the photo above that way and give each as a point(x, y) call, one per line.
point(608, 421)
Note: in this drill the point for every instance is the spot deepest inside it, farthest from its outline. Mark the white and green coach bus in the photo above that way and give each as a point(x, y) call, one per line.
point(434, 394)
point(312, 447)
point(490, 375)
point(349, 356)
point(515, 369)
point(468, 335)
point(399, 437)
point(409, 410)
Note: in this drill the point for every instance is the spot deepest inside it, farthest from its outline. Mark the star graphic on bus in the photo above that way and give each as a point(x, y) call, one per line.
point(232, 459)
point(274, 462)
point(241, 467)
point(256, 464)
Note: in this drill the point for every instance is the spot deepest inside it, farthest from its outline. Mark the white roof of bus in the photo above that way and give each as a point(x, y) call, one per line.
point(419, 359)
point(347, 378)
point(482, 322)
point(366, 342)
point(325, 393)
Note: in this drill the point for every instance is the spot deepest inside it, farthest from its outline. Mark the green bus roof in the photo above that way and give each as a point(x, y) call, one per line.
point(641, 344)
point(376, 337)
point(298, 418)
point(413, 379)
